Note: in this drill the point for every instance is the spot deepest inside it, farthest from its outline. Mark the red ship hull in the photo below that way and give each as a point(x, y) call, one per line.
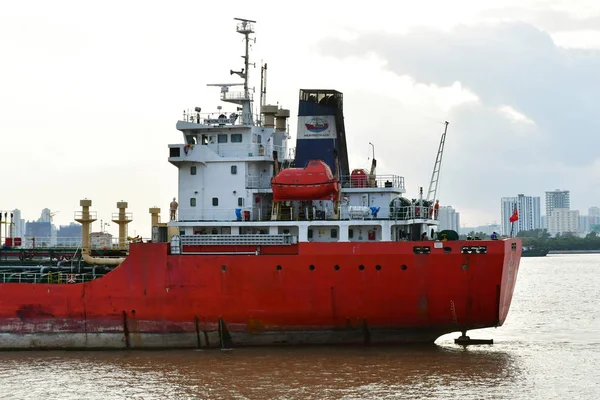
point(290, 294)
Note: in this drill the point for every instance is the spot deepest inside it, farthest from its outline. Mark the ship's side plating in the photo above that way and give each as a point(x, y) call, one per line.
point(306, 293)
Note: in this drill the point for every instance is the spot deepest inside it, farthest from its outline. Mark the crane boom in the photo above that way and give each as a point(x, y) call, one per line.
point(435, 176)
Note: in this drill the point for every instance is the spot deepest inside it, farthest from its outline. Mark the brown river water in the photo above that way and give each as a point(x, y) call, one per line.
point(549, 348)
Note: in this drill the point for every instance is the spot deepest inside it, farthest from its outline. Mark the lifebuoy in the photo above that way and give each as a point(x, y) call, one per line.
point(71, 278)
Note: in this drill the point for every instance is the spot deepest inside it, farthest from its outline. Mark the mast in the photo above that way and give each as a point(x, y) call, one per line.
point(246, 28)
point(263, 85)
point(244, 98)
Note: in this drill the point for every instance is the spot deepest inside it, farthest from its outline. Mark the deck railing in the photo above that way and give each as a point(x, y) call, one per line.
point(58, 242)
point(195, 240)
point(247, 150)
point(224, 214)
point(47, 277)
point(378, 181)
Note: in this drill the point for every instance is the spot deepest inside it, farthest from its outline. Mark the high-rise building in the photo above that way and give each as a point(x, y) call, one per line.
point(68, 235)
point(544, 222)
point(529, 210)
point(42, 231)
point(594, 216)
point(563, 220)
point(46, 215)
point(449, 218)
point(19, 224)
point(557, 199)
point(584, 224)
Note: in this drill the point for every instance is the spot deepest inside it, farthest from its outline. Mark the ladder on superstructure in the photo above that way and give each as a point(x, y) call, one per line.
point(435, 176)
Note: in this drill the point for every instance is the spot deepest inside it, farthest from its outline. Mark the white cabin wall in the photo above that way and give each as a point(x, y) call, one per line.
point(224, 186)
point(190, 186)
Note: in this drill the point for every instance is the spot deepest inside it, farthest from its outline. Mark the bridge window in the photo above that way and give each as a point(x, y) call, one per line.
point(240, 202)
point(193, 170)
point(222, 138)
point(350, 233)
point(236, 138)
point(215, 201)
point(190, 139)
point(193, 202)
point(233, 169)
point(310, 234)
point(334, 233)
point(174, 152)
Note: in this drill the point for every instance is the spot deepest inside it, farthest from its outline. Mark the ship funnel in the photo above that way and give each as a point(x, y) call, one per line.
point(122, 218)
point(85, 217)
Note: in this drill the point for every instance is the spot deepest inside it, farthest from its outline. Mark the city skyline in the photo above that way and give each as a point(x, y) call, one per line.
point(101, 108)
point(528, 208)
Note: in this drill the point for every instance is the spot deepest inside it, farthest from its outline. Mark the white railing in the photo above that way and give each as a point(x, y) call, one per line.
point(378, 181)
point(228, 96)
point(246, 150)
point(47, 277)
point(347, 212)
point(58, 242)
point(414, 211)
point(195, 240)
point(258, 182)
point(220, 214)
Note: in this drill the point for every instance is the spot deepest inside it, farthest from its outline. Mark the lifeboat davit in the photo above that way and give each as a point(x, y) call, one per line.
point(314, 182)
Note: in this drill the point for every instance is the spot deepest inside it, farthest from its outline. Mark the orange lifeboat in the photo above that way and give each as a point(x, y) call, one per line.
point(314, 182)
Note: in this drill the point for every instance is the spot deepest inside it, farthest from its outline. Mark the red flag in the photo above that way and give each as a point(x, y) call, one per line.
point(515, 216)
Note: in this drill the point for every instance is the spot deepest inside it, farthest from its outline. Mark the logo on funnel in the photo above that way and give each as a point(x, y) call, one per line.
point(316, 125)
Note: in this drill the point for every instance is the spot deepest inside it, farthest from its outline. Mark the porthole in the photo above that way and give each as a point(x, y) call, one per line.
point(312, 267)
point(224, 268)
point(279, 268)
point(337, 267)
point(378, 267)
point(404, 267)
point(361, 267)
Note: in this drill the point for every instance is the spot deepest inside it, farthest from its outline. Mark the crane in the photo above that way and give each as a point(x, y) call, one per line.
point(52, 214)
point(435, 176)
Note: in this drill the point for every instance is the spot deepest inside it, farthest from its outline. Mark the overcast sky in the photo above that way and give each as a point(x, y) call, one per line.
point(90, 93)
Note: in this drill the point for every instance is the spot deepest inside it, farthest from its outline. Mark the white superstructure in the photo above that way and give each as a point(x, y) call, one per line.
point(226, 163)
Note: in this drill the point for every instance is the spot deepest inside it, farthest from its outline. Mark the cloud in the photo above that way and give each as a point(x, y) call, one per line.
point(536, 105)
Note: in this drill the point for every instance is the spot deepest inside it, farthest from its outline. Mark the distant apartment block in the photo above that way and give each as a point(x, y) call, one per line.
point(563, 220)
point(449, 218)
point(584, 224)
point(69, 235)
point(544, 222)
point(594, 216)
point(529, 211)
point(557, 199)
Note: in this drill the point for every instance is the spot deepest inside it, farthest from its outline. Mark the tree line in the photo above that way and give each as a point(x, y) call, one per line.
point(541, 239)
